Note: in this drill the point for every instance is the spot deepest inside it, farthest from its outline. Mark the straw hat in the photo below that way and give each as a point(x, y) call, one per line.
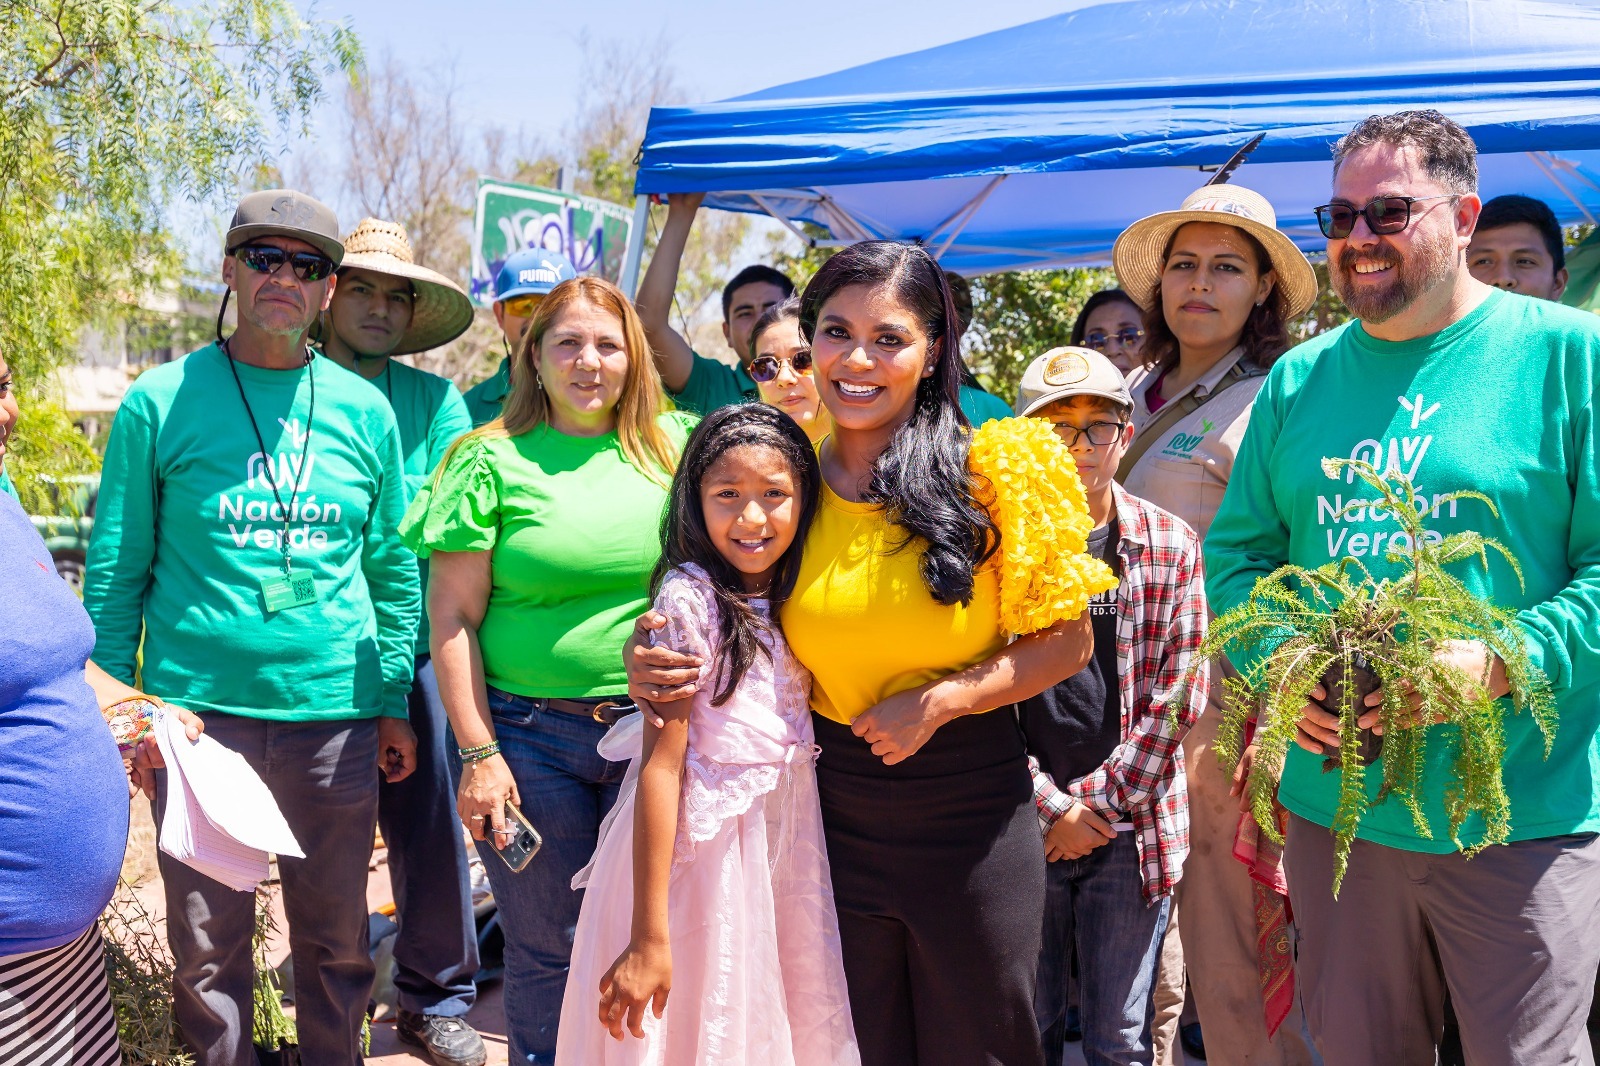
point(441, 312)
point(1139, 252)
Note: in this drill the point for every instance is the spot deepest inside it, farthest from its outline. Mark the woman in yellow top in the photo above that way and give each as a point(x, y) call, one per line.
point(931, 547)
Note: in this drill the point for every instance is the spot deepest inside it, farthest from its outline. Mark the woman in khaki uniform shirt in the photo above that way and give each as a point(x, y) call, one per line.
point(1218, 283)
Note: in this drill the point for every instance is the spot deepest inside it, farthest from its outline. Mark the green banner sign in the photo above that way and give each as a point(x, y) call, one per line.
point(592, 233)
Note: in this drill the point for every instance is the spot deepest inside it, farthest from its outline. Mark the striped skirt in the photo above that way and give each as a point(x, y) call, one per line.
point(55, 1008)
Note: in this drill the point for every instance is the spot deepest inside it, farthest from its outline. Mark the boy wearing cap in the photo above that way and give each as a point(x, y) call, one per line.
point(387, 305)
point(247, 534)
point(1105, 745)
point(696, 383)
point(524, 279)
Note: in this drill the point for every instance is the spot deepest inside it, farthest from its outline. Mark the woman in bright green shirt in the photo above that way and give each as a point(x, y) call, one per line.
point(543, 527)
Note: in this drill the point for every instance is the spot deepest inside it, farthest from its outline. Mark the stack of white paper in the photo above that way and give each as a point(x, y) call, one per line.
point(220, 818)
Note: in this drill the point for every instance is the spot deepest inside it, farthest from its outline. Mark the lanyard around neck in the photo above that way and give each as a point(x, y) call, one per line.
point(267, 460)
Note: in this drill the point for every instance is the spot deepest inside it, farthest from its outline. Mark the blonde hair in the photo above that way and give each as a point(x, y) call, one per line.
point(645, 445)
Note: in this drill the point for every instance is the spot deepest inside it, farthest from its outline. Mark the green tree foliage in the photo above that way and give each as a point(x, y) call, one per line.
point(1017, 316)
point(112, 112)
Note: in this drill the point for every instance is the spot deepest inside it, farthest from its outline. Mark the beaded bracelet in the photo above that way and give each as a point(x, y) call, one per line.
point(479, 752)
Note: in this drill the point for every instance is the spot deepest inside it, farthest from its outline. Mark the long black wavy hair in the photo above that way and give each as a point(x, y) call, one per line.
point(921, 479)
point(685, 538)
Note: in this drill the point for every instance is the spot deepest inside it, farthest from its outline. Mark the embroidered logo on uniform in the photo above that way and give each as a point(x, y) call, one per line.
point(1065, 368)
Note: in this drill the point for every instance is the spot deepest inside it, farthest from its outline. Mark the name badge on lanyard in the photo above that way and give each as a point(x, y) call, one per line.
point(292, 588)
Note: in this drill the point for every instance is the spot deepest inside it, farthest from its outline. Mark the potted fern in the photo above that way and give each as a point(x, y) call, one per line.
point(1339, 626)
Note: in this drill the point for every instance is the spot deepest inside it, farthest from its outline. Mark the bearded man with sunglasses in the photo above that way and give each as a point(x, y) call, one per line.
point(246, 532)
point(1453, 385)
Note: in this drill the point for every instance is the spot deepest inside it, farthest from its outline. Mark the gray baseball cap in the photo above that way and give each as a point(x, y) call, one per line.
point(286, 213)
point(1063, 372)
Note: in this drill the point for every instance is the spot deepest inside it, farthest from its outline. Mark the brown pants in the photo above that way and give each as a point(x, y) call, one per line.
point(1512, 932)
point(1216, 911)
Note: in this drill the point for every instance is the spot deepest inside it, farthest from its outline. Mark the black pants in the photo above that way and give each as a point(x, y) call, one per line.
point(939, 877)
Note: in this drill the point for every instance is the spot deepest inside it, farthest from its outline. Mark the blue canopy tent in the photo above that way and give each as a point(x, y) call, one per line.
point(1035, 146)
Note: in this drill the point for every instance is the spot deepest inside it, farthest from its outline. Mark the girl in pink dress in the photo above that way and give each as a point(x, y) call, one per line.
point(708, 932)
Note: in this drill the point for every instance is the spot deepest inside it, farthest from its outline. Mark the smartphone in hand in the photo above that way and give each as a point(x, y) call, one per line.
point(518, 844)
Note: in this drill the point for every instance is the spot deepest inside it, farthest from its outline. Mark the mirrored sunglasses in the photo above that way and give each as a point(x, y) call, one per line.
point(1100, 340)
point(267, 259)
point(765, 368)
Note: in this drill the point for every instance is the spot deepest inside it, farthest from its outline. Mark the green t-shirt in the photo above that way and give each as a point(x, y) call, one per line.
point(431, 414)
point(7, 487)
point(714, 384)
point(186, 527)
point(483, 400)
point(574, 530)
point(1501, 402)
point(981, 407)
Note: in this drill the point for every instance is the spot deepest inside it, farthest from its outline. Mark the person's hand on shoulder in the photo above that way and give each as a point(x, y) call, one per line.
point(657, 674)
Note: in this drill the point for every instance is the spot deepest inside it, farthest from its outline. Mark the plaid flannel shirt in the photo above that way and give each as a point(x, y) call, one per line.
point(1161, 622)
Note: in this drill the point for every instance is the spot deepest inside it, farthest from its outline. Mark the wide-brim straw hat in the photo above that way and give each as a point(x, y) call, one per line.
point(1140, 251)
point(441, 311)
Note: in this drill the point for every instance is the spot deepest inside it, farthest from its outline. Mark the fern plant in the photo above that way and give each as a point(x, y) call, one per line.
point(1339, 626)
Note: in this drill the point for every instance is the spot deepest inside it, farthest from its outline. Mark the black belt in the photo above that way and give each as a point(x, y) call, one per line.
point(603, 709)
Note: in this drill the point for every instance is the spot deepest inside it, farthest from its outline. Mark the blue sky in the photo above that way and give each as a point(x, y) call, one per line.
point(518, 63)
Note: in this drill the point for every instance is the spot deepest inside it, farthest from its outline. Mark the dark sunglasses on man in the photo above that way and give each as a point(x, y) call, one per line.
point(1100, 340)
point(267, 259)
point(1384, 215)
point(764, 368)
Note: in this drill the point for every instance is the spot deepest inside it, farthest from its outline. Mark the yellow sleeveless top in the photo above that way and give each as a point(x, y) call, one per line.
point(861, 619)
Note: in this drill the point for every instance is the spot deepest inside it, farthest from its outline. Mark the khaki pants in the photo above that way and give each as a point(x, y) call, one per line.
point(1217, 921)
point(1168, 995)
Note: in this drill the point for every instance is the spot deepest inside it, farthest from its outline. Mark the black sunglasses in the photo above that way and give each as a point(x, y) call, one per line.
point(764, 368)
point(266, 259)
point(1099, 340)
point(1384, 214)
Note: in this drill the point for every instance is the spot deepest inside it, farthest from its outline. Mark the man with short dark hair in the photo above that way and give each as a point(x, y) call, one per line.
point(697, 383)
point(1447, 384)
point(388, 305)
point(246, 564)
point(1518, 247)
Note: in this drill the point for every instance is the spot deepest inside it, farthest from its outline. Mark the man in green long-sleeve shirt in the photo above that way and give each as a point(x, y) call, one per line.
point(246, 530)
point(388, 305)
point(1453, 385)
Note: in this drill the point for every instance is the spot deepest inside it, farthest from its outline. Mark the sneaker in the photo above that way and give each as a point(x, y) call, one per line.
point(448, 1041)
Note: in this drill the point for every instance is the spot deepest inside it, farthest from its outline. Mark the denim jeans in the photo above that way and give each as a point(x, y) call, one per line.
point(1095, 910)
point(436, 950)
point(566, 789)
point(324, 777)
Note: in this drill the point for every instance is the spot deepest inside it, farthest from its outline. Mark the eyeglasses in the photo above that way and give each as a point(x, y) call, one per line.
point(522, 306)
point(1100, 434)
point(765, 368)
point(267, 259)
point(1099, 340)
point(1384, 214)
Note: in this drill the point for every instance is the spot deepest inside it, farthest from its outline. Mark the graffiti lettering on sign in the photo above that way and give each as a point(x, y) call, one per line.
point(592, 233)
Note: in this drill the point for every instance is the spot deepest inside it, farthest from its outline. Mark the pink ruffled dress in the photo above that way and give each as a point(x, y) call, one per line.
point(757, 974)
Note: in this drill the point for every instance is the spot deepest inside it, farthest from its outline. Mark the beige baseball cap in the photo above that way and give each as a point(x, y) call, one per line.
point(1070, 371)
